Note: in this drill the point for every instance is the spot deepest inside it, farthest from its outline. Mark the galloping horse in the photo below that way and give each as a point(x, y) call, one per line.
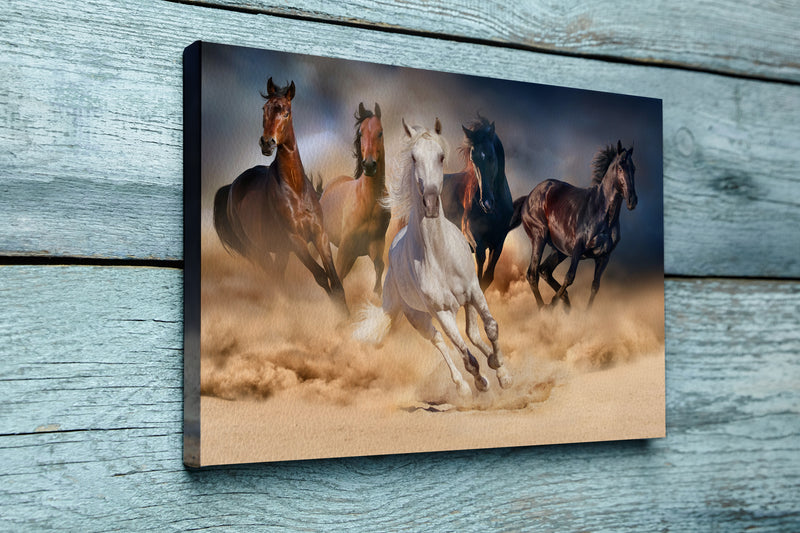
point(578, 223)
point(431, 273)
point(354, 217)
point(478, 197)
point(269, 211)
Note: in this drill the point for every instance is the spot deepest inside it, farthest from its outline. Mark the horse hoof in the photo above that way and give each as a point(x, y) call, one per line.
point(481, 383)
point(504, 378)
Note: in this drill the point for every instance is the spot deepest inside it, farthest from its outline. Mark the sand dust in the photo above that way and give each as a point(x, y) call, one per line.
point(281, 377)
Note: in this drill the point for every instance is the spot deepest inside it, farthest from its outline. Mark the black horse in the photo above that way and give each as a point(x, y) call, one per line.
point(478, 198)
point(579, 223)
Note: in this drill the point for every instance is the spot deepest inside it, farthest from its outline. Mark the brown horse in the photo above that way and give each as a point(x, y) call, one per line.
point(578, 223)
point(354, 216)
point(270, 211)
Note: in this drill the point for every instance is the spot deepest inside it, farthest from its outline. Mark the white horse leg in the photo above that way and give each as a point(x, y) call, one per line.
point(490, 326)
point(450, 327)
point(423, 323)
point(473, 331)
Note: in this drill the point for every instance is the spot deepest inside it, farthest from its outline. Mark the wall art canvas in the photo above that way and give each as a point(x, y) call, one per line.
point(383, 260)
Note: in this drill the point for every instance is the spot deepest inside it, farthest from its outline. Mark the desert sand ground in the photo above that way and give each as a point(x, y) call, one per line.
point(281, 377)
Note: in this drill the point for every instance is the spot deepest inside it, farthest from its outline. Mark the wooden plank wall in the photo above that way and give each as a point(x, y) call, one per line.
point(91, 280)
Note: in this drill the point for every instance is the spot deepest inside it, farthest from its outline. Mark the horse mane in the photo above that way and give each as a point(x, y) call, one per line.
point(400, 197)
point(602, 160)
point(357, 141)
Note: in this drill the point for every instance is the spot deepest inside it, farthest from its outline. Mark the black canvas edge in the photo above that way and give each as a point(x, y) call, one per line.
point(192, 72)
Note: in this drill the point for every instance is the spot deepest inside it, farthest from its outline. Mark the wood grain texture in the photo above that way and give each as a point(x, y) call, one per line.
point(90, 430)
point(91, 131)
point(742, 38)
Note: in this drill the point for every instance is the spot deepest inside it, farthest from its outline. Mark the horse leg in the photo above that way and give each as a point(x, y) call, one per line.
point(577, 252)
point(495, 356)
point(537, 246)
point(480, 257)
point(546, 269)
point(422, 322)
point(600, 264)
point(467, 231)
point(488, 276)
point(346, 257)
point(448, 321)
point(323, 246)
point(300, 249)
point(376, 254)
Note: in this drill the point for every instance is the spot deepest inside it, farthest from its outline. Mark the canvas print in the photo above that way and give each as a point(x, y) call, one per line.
point(391, 260)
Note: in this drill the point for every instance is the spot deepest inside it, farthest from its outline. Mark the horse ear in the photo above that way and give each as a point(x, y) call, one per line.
point(290, 92)
point(270, 87)
point(437, 127)
point(405, 127)
point(467, 131)
point(619, 146)
point(491, 129)
point(630, 151)
point(361, 109)
point(377, 110)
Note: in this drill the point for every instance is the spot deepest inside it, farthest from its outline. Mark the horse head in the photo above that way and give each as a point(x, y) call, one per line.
point(485, 160)
point(368, 144)
point(427, 165)
point(625, 169)
point(277, 118)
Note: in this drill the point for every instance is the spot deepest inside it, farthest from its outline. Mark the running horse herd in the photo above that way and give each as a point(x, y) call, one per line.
point(268, 212)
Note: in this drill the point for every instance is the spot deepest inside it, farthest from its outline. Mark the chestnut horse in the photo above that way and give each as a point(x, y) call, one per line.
point(270, 211)
point(478, 198)
point(578, 223)
point(353, 213)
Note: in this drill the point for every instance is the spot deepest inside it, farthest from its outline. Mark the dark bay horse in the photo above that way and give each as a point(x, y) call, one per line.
point(478, 198)
point(270, 211)
point(579, 223)
point(353, 213)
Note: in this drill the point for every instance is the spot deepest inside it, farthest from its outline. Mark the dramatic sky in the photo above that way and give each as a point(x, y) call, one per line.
point(547, 131)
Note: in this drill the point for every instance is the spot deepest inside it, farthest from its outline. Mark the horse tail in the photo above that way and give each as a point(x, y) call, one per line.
point(222, 223)
point(516, 218)
point(372, 324)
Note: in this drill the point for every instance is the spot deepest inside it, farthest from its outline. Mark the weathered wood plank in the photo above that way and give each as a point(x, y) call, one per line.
point(91, 136)
point(740, 38)
point(90, 430)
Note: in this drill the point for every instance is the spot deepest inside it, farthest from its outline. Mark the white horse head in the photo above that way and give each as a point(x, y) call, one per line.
point(419, 174)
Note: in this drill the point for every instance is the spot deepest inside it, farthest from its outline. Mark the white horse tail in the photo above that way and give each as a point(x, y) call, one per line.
point(372, 324)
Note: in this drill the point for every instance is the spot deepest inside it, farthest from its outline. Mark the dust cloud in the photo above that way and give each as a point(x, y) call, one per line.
point(262, 338)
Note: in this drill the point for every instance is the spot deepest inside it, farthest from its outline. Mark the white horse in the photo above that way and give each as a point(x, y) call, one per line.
point(431, 271)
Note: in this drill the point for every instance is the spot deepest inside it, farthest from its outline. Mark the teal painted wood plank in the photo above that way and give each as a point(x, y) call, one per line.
point(91, 136)
point(739, 38)
point(90, 430)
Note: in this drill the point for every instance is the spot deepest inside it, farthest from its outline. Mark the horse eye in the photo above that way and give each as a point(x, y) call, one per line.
point(441, 158)
point(413, 159)
point(380, 134)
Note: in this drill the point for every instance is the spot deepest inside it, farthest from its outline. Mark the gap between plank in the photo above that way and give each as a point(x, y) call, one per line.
point(40, 260)
point(486, 42)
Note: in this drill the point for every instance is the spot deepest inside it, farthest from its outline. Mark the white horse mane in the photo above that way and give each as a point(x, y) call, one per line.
point(400, 197)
